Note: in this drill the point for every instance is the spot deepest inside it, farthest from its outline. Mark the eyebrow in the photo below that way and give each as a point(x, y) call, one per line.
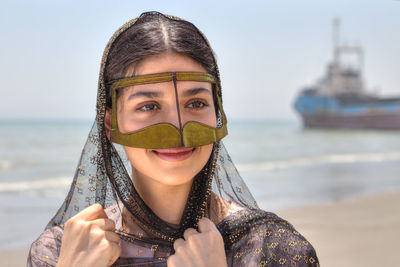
point(149, 94)
point(195, 91)
point(153, 94)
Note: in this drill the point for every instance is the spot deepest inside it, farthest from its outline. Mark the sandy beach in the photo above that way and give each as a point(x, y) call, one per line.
point(363, 231)
point(14, 257)
point(358, 232)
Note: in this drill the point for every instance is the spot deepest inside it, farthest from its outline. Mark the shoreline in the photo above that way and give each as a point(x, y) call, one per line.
point(361, 231)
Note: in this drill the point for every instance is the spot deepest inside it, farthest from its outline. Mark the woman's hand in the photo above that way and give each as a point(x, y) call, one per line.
point(203, 248)
point(89, 239)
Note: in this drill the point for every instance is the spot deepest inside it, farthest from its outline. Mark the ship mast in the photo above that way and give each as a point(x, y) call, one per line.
point(342, 49)
point(335, 40)
point(342, 77)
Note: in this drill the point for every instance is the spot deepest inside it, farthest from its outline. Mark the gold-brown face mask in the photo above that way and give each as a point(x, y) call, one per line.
point(160, 134)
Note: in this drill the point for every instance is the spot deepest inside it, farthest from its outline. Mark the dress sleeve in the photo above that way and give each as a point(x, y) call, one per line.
point(273, 243)
point(46, 249)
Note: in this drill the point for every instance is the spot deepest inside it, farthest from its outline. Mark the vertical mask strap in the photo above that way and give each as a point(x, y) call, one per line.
point(177, 107)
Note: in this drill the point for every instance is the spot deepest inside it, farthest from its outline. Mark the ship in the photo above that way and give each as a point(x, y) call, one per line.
point(340, 100)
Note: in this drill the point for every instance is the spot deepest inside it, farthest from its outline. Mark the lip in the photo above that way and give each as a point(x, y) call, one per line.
point(174, 154)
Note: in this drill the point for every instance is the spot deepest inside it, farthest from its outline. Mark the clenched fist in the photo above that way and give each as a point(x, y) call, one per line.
point(199, 248)
point(89, 239)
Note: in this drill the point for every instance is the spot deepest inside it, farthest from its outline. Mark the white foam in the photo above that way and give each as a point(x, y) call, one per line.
point(61, 182)
point(322, 159)
point(5, 164)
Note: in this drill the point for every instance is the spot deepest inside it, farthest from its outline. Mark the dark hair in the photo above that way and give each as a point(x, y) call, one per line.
point(154, 33)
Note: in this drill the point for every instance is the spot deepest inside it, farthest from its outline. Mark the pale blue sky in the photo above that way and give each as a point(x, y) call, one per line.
point(266, 50)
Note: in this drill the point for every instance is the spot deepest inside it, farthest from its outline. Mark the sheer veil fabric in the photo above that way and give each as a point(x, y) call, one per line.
point(252, 237)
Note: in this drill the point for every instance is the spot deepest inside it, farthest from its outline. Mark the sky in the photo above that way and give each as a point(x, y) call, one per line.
point(266, 50)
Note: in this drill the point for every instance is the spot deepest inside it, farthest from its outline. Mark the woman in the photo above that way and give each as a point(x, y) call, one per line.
point(160, 119)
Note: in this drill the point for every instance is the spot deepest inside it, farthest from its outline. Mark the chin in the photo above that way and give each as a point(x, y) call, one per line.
point(178, 172)
point(174, 178)
point(175, 166)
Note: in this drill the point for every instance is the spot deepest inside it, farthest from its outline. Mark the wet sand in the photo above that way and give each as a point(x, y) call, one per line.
point(363, 231)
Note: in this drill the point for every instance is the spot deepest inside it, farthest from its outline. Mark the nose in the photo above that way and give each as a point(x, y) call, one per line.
point(172, 116)
point(173, 110)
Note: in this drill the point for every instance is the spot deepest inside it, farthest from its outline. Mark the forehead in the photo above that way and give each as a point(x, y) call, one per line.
point(166, 62)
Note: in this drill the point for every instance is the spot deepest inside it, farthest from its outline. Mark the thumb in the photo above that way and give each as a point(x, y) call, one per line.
point(95, 211)
point(116, 252)
point(206, 225)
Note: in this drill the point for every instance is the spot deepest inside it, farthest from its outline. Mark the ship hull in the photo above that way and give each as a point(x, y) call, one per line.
point(362, 121)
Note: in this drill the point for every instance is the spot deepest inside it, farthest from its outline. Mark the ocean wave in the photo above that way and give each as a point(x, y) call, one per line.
point(61, 182)
point(317, 160)
point(17, 163)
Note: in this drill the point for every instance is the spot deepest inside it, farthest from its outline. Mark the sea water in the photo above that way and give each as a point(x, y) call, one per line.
point(283, 164)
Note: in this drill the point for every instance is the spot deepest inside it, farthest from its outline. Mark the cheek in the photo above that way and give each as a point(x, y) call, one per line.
point(206, 151)
point(121, 120)
point(211, 119)
point(138, 158)
point(125, 120)
point(201, 158)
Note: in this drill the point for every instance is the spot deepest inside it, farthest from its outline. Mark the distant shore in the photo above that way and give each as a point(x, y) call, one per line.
point(362, 231)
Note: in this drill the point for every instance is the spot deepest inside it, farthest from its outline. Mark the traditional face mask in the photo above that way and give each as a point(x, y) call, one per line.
point(161, 135)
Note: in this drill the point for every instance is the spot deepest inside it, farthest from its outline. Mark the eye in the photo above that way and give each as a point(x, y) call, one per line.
point(197, 104)
point(148, 107)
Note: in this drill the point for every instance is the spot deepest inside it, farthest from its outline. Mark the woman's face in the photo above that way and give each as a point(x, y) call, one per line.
point(147, 104)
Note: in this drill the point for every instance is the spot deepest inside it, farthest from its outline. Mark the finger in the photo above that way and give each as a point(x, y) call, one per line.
point(112, 237)
point(206, 225)
point(188, 232)
point(92, 212)
point(104, 224)
point(115, 252)
point(179, 242)
point(174, 261)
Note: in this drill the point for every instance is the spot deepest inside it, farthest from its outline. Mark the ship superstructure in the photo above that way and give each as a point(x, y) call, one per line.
point(340, 100)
